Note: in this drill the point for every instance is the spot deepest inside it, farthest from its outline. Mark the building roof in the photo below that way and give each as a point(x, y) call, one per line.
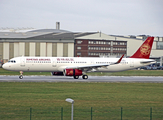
point(50, 30)
point(43, 34)
point(31, 34)
point(127, 37)
point(80, 34)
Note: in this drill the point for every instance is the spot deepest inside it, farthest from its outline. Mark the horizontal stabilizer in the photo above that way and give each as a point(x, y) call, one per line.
point(143, 62)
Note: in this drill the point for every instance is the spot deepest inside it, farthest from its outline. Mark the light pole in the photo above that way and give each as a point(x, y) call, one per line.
point(72, 106)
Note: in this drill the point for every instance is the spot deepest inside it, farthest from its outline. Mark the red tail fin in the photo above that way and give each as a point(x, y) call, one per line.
point(145, 49)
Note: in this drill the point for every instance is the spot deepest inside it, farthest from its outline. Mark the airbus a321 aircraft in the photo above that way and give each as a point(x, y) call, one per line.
point(79, 66)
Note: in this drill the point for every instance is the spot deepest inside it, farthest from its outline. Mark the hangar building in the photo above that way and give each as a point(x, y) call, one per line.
point(58, 43)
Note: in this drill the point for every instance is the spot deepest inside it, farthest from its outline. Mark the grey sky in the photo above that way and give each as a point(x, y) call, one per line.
point(118, 17)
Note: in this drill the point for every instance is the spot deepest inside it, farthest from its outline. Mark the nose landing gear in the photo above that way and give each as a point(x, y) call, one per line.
point(21, 75)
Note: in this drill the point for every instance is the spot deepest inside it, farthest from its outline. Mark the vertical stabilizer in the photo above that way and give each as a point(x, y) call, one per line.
point(145, 49)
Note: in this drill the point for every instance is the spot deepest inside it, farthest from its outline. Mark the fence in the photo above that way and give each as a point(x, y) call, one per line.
point(81, 113)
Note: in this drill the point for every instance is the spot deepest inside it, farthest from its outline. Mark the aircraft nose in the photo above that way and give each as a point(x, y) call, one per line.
point(4, 66)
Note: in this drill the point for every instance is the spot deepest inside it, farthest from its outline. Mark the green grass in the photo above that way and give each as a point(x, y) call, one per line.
point(6, 72)
point(123, 73)
point(46, 100)
point(54, 94)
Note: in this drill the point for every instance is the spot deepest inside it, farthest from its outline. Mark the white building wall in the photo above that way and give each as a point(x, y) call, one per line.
point(133, 46)
point(21, 49)
point(156, 53)
point(49, 49)
point(16, 49)
point(43, 49)
point(32, 49)
point(154, 46)
point(70, 49)
point(59, 49)
point(161, 38)
point(6, 50)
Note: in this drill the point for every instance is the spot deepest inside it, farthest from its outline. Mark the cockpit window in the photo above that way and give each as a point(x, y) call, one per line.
point(11, 61)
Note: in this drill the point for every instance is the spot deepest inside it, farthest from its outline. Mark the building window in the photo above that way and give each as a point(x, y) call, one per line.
point(107, 48)
point(79, 41)
point(79, 48)
point(114, 43)
point(90, 42)
point(78, 53)
point(99, 48)
point(159, 45)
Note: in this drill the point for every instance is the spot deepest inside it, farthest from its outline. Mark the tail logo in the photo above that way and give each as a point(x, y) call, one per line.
point(145, 49)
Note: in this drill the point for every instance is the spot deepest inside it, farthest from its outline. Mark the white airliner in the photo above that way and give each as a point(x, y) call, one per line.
point(79, 66)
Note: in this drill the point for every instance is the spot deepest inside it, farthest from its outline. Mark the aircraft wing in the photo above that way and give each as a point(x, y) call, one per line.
point(94, 65)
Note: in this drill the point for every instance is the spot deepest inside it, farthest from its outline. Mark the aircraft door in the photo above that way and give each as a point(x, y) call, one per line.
point(131, 63)
point(54, 63)
point(92, 61)
point(22, 62)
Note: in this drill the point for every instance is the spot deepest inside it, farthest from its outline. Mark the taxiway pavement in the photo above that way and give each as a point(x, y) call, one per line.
point(145, 79)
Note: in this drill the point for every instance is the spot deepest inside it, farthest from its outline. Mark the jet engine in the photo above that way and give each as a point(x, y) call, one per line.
point(57, 73)
point(72, 72)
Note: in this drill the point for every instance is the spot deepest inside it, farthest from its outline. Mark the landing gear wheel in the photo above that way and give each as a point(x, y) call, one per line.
point(76, 77)
point(85, 76)
point(21, 77)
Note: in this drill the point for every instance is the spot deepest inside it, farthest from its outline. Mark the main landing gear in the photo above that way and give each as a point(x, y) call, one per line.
point(84, 77)
point(21, 75)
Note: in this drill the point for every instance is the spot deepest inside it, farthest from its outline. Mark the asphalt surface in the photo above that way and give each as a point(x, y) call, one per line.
point(143, 79)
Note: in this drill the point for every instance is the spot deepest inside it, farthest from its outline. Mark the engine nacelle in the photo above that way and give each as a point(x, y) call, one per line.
point(72, 72)
point(57, 73)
